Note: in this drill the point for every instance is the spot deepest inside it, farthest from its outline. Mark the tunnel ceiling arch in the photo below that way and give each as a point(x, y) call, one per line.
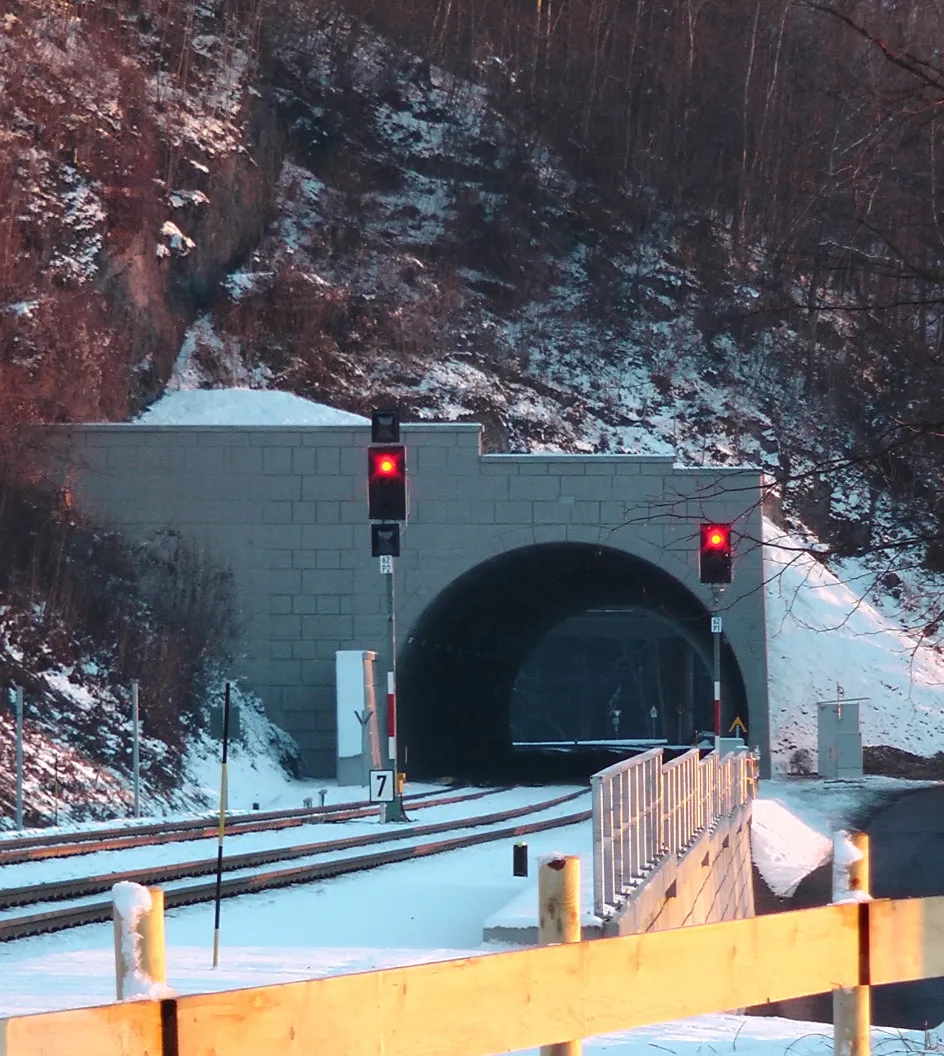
point(459, 662)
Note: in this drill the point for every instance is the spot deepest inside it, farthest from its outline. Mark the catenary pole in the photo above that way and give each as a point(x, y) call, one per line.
point(18, 700)
point(136, 749)
point(222, 829)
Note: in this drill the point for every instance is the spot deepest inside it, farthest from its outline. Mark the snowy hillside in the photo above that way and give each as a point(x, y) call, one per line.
point(827, 639)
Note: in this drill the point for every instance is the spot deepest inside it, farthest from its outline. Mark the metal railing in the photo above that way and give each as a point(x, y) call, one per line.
point(644, 811)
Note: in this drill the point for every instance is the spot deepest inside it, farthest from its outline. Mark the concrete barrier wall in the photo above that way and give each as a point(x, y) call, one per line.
point(709, 883)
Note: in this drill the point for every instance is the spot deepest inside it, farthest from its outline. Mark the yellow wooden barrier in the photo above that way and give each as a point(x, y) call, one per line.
point(502, 1002)
point(499, 1002)
point(906, 939)
point(131, 1029)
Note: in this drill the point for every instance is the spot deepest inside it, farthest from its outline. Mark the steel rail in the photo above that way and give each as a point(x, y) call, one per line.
point(98, 912)
point(178, 832)
point(92, 885)
point(148, 828)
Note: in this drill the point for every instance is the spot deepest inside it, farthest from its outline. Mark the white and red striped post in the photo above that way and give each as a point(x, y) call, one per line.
point(392, 721)
point(394, 810)
point(716, 651)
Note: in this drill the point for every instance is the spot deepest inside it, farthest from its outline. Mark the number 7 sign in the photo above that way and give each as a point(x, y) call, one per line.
point(381, 786)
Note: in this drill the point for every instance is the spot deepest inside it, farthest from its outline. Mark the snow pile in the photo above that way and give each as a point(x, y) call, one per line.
point(243, 407)
point(257, 758)
point(784, 847)
point(826, 641)
point(845, 854)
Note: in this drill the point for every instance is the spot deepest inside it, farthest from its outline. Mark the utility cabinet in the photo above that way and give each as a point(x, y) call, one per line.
point(358, 733)
point(839, 742)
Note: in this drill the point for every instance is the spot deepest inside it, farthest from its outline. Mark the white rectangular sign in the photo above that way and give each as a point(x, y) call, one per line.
point(381, 786)
point(386, 565)
point(715, 625)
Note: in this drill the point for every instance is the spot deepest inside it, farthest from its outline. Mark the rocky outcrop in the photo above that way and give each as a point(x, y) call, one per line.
point(155, 292)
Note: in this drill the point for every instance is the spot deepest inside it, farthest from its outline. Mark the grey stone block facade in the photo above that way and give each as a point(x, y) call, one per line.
point(286, 509)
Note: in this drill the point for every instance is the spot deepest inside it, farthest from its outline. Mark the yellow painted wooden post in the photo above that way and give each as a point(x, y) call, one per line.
point(144, 955)
point(852, 1009)
point(151, 929)
point(559, 919)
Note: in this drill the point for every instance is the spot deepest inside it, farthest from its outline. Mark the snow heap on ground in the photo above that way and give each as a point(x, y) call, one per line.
point(822, 635)
point(242, 407)
point(785, 848)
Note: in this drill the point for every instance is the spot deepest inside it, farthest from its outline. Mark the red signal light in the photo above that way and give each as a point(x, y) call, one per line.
point(718, 537)
point(714, 553)
point(386, 483)
point(386, 464)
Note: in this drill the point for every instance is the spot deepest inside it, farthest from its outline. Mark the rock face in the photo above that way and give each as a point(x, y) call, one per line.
point(154, 292)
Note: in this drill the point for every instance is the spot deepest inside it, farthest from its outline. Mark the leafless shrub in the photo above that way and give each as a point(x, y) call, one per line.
point(801, 763)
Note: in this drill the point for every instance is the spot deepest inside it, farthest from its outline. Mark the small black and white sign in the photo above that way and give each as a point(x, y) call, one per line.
point(715, 624)
point(381, 786)
point(386, 565)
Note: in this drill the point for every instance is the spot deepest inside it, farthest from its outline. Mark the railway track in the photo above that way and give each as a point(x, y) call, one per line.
point(21, 849)
point(23, 925)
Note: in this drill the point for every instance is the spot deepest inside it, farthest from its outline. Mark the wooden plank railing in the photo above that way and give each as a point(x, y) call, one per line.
point(533, 997)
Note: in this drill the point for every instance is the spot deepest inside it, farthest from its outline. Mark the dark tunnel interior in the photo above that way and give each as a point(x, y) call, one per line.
point(459, 667)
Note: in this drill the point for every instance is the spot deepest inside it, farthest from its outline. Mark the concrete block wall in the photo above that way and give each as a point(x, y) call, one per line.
point(285, 508)
point(711, 882)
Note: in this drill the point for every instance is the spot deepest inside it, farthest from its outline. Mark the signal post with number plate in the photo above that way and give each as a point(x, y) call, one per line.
point(387, 507)
point(382, 787)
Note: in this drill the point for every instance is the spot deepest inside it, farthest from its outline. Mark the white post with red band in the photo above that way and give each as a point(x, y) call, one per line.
point(392, 720)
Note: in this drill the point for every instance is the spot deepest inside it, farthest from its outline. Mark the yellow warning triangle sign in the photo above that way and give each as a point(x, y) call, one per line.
point(738, 723)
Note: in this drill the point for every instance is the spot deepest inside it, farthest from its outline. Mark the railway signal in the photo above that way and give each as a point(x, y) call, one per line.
point(386, 482)
point(385, 540)
point(385, 427)
point(387, 503)
point(714, 568)
point(714, 553)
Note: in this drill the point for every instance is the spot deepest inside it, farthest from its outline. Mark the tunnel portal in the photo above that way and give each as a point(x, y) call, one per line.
point(555, 642)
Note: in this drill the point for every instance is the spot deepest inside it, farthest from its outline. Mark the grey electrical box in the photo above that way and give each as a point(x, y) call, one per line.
point(358, 725)
point(839, 744)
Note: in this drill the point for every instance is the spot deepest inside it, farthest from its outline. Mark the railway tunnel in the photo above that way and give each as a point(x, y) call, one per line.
point(556, 643)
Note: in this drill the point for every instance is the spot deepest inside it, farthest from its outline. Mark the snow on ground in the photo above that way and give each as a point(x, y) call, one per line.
point(784, 847)
point(821, 635)
point(794, 820)
point(346, 925)
point(23, 874)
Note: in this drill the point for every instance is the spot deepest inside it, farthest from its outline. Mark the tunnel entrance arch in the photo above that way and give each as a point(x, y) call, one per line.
point(461, 659)
point(614, 674)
